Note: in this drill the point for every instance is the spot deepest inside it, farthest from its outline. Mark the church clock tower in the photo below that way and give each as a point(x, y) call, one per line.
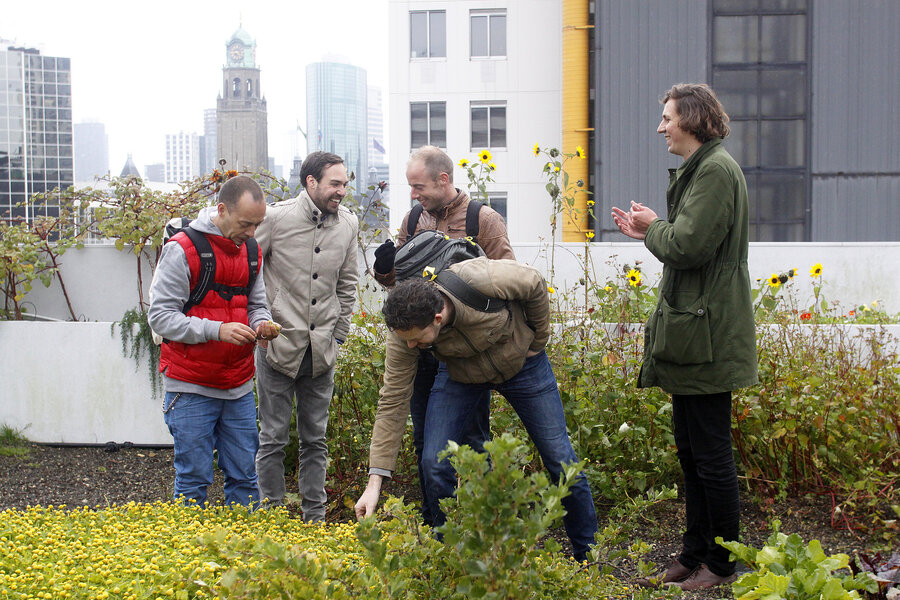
point(241, 122)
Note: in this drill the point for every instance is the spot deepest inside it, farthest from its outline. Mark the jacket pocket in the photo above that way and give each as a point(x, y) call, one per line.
point(682, 335)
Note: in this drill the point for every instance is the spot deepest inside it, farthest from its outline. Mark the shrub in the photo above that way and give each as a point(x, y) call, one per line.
point(785, 568)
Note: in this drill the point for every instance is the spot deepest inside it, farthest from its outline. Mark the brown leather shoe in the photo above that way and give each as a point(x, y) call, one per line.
point(703, 579)
point(676, 572)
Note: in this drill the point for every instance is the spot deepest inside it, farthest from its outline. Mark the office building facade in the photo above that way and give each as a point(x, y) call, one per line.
point(91, 151)
point(182, 156)
point(336, 115)
point(36, 141)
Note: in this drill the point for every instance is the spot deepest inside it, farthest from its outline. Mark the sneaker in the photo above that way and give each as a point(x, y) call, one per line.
point(676, 573)
point(703, 579)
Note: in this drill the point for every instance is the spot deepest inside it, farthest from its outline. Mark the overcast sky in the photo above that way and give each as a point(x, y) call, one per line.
point(147, 69)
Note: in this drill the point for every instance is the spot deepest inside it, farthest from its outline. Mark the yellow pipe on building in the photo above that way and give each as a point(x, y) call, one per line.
point(575, 113)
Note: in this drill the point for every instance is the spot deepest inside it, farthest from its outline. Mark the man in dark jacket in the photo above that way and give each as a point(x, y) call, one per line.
point(700, 342)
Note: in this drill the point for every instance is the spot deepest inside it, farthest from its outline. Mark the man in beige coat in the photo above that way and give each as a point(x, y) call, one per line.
point(309, 245)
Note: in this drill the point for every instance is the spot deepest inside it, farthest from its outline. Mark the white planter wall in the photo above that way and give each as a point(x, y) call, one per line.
point(69, 383)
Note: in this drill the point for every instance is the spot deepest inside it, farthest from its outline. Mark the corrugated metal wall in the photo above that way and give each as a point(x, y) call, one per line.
point(856, 120)
point(856, 209)
point(641, 48)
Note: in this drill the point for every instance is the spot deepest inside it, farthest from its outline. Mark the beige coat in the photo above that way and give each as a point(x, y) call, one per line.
point(310, 274)
point(477, 347)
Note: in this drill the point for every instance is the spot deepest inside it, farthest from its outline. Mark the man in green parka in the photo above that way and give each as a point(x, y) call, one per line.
point(700, 342)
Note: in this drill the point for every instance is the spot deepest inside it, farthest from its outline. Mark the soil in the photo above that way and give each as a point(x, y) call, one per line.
point(102, 476)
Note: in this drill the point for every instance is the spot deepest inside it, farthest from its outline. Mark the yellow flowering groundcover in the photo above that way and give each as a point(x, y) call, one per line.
point(143, 551)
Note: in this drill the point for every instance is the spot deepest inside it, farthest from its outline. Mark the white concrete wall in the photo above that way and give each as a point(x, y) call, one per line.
point(102, 281)
point(853, 273)
point(70, 383)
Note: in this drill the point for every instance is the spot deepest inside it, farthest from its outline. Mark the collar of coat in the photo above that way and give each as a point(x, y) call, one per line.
point(312, 212)
point(688, 167)
point(445, 210)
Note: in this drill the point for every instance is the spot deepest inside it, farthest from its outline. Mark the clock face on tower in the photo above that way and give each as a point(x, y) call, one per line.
point(236, 52)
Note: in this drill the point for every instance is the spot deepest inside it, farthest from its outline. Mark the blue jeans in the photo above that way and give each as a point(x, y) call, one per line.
point(702, 427)
point(200, 424)
point(534, 395)
point(477, 433)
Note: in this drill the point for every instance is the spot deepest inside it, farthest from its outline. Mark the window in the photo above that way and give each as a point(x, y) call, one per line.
point(427, 33)
point(428, 124)
point(236, 87)
point(760, 73)
point(488, 125)
point(497, 201)
point(487, 33)
point(249, 88)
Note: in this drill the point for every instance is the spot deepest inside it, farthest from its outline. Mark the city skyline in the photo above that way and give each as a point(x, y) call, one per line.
point(148, 75)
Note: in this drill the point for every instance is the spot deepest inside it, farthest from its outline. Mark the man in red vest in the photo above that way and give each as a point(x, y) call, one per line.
point(207, 360)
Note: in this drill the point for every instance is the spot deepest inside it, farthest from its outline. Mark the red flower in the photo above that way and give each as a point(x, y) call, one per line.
point(231, 173)
point(805, 316)
point(852, 313)
point(216, 176)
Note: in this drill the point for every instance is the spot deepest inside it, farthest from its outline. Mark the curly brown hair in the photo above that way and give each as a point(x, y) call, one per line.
point(412, 304)
point(701, 112)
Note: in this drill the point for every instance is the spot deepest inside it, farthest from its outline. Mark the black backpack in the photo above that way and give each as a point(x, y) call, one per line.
point(206, 279)
point(428, 254)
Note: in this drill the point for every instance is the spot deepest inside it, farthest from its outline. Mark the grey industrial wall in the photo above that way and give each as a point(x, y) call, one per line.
point(642, 47)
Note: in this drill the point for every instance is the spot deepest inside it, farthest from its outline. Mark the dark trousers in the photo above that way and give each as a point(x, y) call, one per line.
point(476, 435)
point(702, 426)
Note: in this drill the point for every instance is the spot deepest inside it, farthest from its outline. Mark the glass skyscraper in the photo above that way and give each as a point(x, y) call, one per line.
point(36, 146)
point(336, 115)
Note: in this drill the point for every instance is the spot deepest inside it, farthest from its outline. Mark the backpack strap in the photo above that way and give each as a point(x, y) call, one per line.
point(414, 213)
point(207, 274)
point(468, 295)
point(472, 212)
point(206, 278)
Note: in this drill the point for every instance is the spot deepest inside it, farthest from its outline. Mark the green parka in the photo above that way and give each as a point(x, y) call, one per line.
point(701, 338)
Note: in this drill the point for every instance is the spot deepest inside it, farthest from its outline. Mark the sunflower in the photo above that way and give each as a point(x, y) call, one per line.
point(463, 162)
point(579, 152)
point(634, 278)
point(536, 149)
point(774, 280)
point(815, 270)
point(485, 156)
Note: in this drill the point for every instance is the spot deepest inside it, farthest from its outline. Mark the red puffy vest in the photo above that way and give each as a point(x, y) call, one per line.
point(214, 364)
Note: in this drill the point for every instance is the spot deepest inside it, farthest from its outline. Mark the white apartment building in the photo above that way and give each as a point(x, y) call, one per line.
point(182, 156)
point(468, 75)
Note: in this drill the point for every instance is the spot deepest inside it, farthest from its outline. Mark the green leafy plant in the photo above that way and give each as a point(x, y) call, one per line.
point(787, 569)
point(137, 341)
point(480, 173)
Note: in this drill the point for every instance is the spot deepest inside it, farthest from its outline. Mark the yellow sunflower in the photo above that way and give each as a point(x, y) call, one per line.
point(815, 270)
point(536, 149)
point(634, 278)
point(579, 152)
point(485, 156)
point(463, 162)
point(774, 280)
